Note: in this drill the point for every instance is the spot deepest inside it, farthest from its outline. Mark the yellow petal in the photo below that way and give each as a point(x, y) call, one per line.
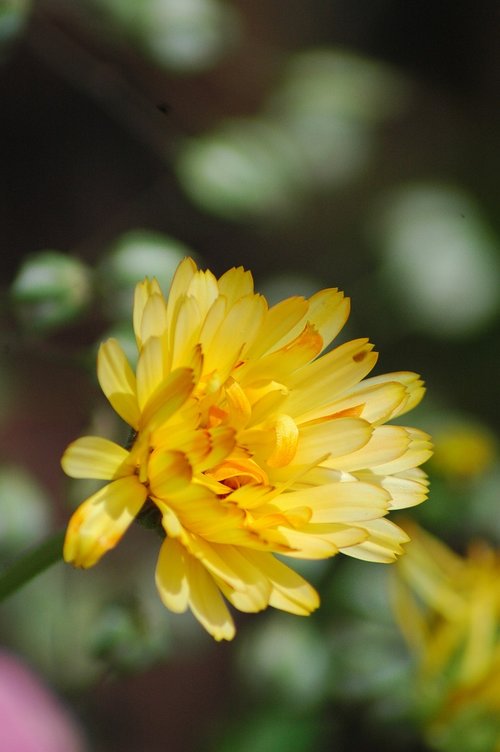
point(252, 589)
point(179, 287)
point(117, 381)
point(203, 514)
point(328, 311)
point(237, 329)
point(386, 444)
point(169, 520)
point(279, 365)
point(169, 473)
point(290, 591)
point(267, 405)
point(329, 377)
point(418, 452)
point(238, 405)
point(339, 502)
point(149, 370)
point(414, 387)
point(376, 403)
point(433, 587)
point(212, 322)
point(249, 496)
point(221, 442)
point(99, 523)
point(250, 600)
point(286, 441)
point(203, 287)
point(178, 432)
point(171, 576)
point(236, 283)
point(206, 602)
point(343, 536)
point(405, 491)
point(216, 558)
point(94, 457)
point(154, 318)
point(167, 398)
point(239, 467)
point(336, 437)
point(299, 544)
point(278, 326)
point(184, 335)
point(384, 542)
point(142, 293)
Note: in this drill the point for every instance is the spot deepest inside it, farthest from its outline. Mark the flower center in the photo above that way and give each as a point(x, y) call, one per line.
point(234, 473)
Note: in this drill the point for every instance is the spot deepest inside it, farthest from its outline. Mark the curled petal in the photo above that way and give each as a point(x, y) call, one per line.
point(287, 437)
point(99, 523)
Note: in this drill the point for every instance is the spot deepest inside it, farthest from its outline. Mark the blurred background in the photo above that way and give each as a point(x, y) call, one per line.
point(346, 143)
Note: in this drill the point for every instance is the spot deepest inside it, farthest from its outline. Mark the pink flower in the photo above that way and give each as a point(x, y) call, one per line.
point(32, 719)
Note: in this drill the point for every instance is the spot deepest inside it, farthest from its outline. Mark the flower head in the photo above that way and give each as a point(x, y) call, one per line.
point(448, 607)
point(249, 440)
point(463, 450)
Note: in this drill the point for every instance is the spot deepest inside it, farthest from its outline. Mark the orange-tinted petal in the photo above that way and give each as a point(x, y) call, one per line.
point(99, 523)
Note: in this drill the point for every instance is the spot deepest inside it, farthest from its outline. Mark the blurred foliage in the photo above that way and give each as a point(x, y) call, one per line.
point(440, 258)
point(24, 522)
point(254, 134)
point(13, 16)
point(315, 132)
point(50, 289)
point(183, 35)
point(112, 628)
point(244, 169)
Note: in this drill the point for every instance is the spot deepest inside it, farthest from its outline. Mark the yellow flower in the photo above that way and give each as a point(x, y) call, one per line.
point(463, 451)
point(448, 608)
point(248, 442)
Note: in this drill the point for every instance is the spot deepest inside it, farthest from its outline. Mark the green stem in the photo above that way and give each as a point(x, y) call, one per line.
point(34, 561)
